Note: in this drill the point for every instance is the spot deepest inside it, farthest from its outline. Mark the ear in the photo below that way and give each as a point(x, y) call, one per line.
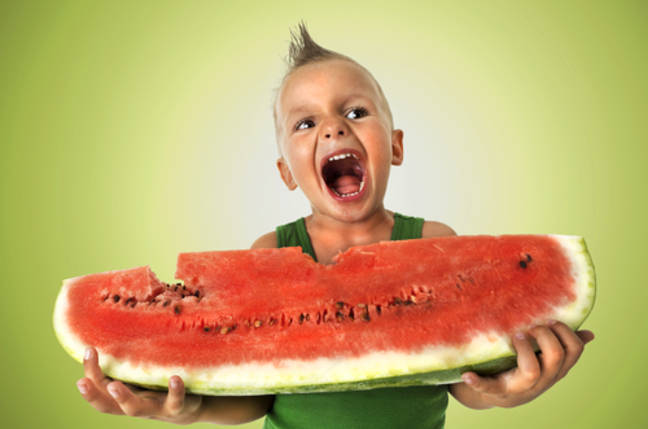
point(397, 147)
point(285, 173)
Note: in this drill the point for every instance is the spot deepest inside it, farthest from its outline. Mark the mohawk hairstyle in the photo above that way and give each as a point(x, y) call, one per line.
point(302, 51)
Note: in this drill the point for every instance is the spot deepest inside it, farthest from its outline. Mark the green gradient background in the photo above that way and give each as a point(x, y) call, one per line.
point(130, 133)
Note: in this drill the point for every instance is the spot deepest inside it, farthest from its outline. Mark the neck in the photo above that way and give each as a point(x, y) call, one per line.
point(331, 233)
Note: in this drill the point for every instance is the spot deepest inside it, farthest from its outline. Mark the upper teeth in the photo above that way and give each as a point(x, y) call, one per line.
point(342, 156)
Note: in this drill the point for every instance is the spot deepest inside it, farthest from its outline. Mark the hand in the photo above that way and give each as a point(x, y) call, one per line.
point(114, 397)
point(560, 348)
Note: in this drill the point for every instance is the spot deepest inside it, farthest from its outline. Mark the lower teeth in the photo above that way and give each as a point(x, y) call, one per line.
point(350, 194)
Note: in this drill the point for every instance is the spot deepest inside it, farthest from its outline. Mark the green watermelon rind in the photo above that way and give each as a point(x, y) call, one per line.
point(430, 378)
point(500, 358)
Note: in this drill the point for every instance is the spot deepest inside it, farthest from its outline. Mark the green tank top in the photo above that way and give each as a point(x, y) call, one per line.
point(390, 408)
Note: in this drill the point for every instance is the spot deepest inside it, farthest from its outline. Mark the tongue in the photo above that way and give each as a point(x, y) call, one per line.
point(346, 184)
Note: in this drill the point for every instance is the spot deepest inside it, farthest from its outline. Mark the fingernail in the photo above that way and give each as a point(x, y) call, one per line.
point(551, 322)
point(113, 391)
point(82, 388)
point(175, 383)
point(468, 379)
point(88, 353)
point(520, 336)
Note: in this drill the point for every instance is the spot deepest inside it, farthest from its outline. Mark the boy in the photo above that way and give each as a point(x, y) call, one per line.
point(337, 143)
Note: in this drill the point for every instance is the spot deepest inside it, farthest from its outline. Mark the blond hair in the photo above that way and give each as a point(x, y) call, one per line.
point(302, 51)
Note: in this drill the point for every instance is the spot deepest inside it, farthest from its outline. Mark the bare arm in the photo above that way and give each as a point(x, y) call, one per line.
point(436, 229)
point(235, 410)
point(266, 241)
point(114, 397)
point(560, 348)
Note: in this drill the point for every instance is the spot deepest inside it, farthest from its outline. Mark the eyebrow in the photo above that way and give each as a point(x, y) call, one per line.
point(302, 108)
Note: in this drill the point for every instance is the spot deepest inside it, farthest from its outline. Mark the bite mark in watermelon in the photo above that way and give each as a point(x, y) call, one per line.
point(272, 320)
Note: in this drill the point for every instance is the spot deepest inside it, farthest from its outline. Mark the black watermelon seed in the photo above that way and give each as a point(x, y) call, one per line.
point(176, 309)
point(301, 318)
point(378, 309)
point(166, 303)
point(197, 293)
point(184, 287)
point(339, 304)
point(206, 329)
point(339, 315)
point(458, 286)
point(529, 258)
point(398, 301)
point(365, 316)
point(116, 298)
point(523, 264)
point(175, 288)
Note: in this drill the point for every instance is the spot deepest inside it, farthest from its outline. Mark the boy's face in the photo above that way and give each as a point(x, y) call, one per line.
point(336, 140)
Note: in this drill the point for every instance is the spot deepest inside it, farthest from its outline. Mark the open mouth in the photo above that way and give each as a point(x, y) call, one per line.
point(344, 174)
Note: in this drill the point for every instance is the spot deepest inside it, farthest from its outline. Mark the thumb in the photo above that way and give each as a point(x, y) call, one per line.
point(585, 335)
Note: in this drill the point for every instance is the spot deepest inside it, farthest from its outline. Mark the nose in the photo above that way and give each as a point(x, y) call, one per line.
point(340, 133)
point(334, 129)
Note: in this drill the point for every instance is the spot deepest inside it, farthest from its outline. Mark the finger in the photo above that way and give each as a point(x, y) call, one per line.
point(528, 370)
point(97, 398)
point(488, 385)
point(572, 343)
point(132, 404)
point(585, 336)
point(175, 399)
point(552, 355)
point(92, 369)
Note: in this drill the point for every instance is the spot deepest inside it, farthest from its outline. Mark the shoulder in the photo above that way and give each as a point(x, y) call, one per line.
point(266, 241)
point(436, 229)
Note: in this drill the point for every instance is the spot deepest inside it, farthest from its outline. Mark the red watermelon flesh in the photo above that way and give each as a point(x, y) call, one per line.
point(272, 320)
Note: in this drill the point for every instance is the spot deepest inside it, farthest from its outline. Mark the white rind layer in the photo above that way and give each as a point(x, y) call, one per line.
point(582, 270)
point(432, 365)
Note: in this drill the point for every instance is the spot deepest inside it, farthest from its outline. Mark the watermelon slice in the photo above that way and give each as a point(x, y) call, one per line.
point(263, 321)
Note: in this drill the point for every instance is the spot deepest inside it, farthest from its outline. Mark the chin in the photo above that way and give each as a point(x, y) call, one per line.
point(353, 212)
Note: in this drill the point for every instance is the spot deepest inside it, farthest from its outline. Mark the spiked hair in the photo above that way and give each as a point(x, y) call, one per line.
point(302, 51)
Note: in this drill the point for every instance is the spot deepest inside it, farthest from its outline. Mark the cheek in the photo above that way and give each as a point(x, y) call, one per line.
point(301, 162)
point(378, 144)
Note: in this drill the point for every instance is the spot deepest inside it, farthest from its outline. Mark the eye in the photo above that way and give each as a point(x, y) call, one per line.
point(357, 112)
point(300, 124)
